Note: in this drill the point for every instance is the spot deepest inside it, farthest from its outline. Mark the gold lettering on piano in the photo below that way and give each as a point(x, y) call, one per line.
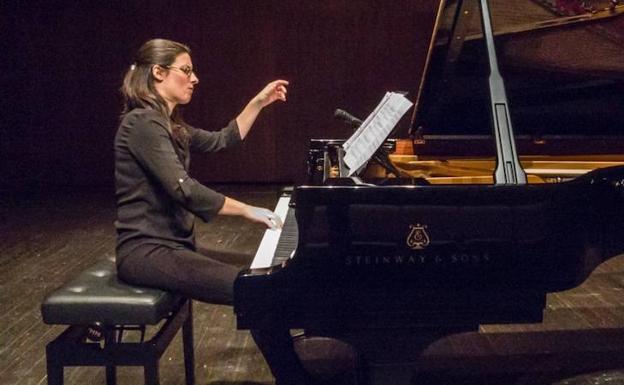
point(418, 239)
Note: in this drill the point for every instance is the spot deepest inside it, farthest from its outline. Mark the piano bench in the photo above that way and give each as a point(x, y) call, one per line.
point(329, 360)
point(98, 307)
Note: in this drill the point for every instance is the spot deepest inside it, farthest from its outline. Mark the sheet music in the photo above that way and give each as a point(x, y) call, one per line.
point(365, 123)
point(361, 146)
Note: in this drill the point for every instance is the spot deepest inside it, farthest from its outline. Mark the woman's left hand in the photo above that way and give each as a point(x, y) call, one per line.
point(276, 90)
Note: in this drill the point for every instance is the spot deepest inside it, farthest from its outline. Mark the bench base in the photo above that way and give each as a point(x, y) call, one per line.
point(72, 348)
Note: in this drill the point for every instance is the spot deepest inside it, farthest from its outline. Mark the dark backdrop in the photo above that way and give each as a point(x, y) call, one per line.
point(63, 63)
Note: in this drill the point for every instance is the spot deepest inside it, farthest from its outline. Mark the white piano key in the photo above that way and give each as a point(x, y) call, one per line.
point(266, 250)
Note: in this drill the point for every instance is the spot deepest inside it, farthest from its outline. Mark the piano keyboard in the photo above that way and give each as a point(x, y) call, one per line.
point(277, 246)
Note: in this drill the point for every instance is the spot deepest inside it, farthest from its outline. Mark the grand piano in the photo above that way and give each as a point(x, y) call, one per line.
point(445, 231)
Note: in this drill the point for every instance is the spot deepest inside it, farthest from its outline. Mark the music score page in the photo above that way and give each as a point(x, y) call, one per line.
point(361, 146)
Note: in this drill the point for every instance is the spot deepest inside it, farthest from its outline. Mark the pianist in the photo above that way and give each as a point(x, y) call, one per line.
point(157, 201)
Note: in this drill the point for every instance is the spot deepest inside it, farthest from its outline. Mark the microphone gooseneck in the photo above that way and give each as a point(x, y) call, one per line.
point(347, 117)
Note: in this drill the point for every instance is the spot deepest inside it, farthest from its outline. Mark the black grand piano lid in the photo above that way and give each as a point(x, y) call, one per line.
point(553, 88)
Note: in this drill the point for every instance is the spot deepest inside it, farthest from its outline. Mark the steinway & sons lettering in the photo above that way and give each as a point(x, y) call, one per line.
point(419, 259)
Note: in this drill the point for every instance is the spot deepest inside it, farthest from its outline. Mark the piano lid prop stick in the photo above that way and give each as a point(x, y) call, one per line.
point(508, 167)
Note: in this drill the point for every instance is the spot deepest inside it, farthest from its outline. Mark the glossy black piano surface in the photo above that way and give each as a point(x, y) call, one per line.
point(448, 253)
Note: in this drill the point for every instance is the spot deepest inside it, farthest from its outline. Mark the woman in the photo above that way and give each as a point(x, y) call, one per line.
point(157, 200)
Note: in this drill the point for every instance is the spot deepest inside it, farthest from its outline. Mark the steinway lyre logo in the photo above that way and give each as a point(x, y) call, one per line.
point(418, 238)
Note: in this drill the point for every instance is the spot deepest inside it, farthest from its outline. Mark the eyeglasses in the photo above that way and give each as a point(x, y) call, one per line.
point(188, 71)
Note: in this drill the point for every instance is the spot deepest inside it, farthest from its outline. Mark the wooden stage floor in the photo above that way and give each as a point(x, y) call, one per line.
point(47, 241)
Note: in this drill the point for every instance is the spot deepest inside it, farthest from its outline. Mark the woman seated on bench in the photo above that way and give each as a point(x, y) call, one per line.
point(157, 201)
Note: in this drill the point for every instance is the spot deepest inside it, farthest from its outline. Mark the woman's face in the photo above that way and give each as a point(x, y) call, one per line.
point(177, 81)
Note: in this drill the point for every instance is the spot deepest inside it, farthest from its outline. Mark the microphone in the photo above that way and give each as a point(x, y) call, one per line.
point(347, 117)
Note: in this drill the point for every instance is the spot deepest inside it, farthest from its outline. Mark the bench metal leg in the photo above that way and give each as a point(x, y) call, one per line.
point(55, 370)
point(150, 371)
point(110, 336)
point(187, 343)
point(111, 375)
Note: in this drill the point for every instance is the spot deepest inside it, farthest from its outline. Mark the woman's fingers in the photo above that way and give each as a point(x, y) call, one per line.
point(280, 82)
point(266, 216)
point(275, 90)
point(281, 92)
point(280, 88)
point(276, 221)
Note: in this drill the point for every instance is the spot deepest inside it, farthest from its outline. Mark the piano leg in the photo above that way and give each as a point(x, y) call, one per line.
point(276, 346)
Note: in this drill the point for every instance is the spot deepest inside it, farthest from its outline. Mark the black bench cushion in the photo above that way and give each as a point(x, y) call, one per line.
point(97, 295)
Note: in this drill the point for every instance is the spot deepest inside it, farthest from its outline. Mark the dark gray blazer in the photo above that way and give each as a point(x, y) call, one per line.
point(157, 200)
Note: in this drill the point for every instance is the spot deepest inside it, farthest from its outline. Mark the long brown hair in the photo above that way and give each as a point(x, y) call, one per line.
point(138, 85)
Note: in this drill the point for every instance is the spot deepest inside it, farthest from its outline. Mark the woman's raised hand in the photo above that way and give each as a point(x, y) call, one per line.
point(276, 90)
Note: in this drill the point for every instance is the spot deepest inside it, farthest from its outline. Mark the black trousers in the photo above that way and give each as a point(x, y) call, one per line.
point(205, 279)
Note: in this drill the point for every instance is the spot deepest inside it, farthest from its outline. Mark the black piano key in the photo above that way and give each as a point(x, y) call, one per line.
point(288, 240)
